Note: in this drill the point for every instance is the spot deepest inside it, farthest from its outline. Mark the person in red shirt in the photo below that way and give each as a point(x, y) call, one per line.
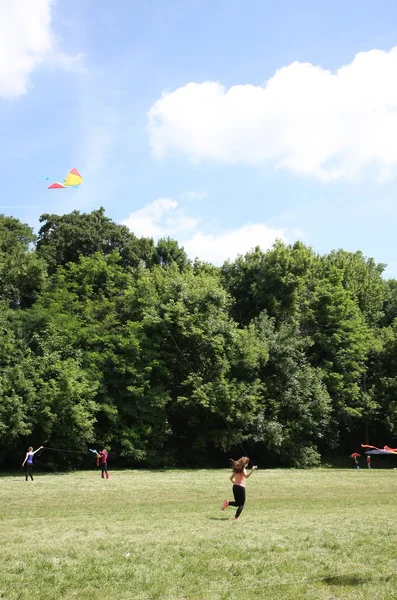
point(355, 456)
point(103, 459)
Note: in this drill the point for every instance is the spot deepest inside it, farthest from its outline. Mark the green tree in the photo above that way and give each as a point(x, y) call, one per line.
point(273, 281)
point(87, 305)
point(296, 408)
point(44, 394)
point(362, 277)
point(168, 252)
point(63, 239)
point(202, 359)
point(390, 302)
point(22, 273)
point(340, 342)
point(382, 384)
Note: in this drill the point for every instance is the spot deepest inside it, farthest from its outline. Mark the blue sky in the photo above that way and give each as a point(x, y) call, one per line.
point(222, 124)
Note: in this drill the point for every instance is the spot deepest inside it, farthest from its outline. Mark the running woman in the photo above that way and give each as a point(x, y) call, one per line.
point(28, 462)
point(238, 478)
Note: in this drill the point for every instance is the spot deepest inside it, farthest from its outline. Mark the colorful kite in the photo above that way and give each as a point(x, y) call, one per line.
point(98, 456)
point(375, 450)
point(393, 450)
point(73, 179)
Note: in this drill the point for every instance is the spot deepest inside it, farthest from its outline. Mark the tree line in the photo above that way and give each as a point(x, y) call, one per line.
point(113, 340)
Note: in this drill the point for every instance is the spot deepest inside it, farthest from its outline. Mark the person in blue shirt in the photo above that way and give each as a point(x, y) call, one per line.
point(28, 462)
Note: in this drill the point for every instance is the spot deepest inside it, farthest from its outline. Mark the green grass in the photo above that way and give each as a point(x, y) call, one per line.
point(318, 534)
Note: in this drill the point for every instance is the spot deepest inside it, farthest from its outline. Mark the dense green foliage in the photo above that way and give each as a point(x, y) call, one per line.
point(109, 339)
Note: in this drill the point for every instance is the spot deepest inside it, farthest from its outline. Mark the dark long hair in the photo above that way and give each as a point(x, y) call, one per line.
point(240, 464)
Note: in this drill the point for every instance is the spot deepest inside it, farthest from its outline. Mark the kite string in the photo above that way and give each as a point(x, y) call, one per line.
point(63, 450)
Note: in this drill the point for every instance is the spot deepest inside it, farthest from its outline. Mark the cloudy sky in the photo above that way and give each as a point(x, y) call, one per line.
point(223, 124)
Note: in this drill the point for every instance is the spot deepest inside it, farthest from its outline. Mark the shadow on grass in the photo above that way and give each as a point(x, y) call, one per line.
point(39, 475)
point(347, 580)
point(219, 518)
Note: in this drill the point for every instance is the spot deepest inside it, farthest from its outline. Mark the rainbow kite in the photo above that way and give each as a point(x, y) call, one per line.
point(73, 179)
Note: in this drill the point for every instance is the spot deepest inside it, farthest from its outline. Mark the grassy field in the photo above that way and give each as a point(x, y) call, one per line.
point(318, 534)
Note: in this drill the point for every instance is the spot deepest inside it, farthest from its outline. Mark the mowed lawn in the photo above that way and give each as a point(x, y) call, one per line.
point(321, 533)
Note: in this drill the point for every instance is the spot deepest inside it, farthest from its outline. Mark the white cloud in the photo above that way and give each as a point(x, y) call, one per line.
point(26, 41)
point(67, 62)
point(193, 195)
point(161, 218)
point(164, 217)
point(228, 244)
point(305, 119)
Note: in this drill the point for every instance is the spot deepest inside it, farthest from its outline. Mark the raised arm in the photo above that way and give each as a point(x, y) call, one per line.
point(41, 447)
point(248, 474)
